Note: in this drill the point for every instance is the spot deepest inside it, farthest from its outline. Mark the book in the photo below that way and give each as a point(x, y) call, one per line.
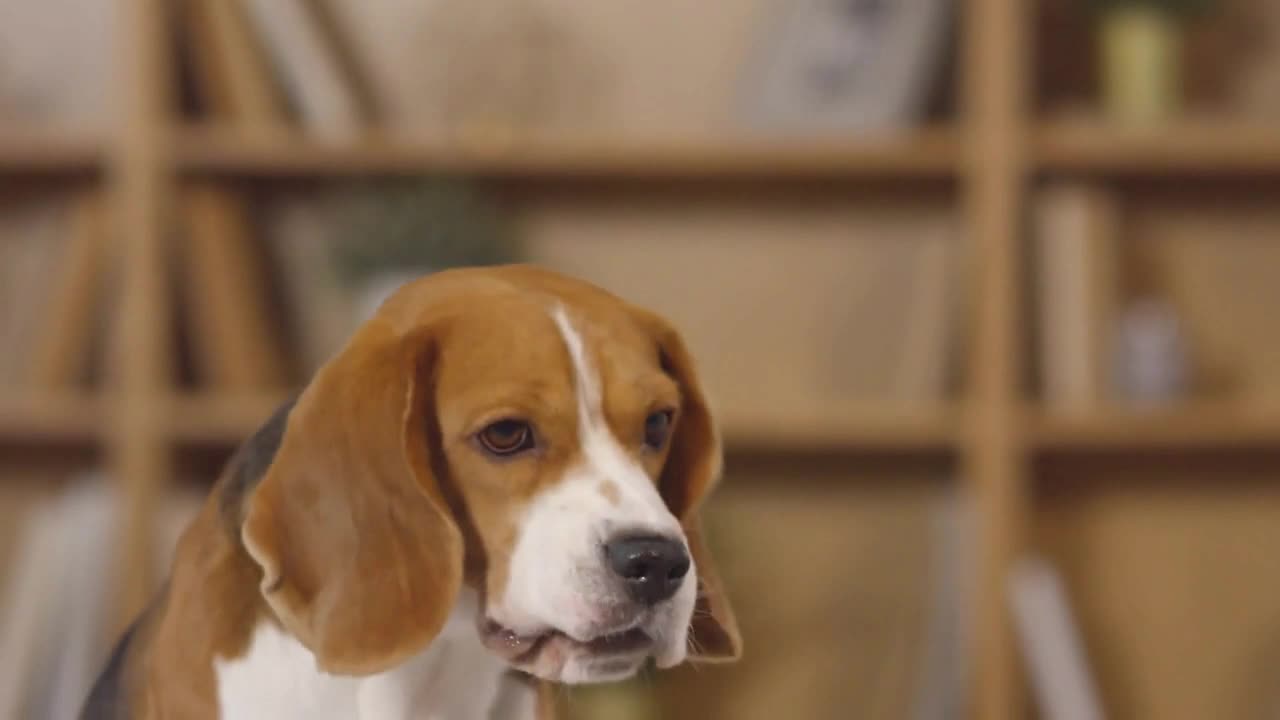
point(35, 234)
point(233, 341)
point(321, 308)
point(235, 345)
point(340, 40)
point(310, 71)
point(86, 513)
point(8, 294)
point(383, 39)
point(1076, 293)
point(232, 71)
point(25, 610)
point(921, 377)
point(943, 670)
point(1051, 644)
point(63, 345)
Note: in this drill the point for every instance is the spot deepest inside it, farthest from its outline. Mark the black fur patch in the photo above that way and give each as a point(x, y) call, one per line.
point(108, 699)
point(249, 465)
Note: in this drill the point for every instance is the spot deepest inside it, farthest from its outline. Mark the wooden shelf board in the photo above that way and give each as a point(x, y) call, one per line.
point(47, 153)
point(926, 153)
point(1200, 426)
point(1200, 147)
point(50, 418)
point(219, 419)
point(223, 420)
point(889, 430)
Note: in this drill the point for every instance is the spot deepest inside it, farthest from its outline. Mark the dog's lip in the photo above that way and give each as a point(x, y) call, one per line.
point(517, 648)
point(507, 642)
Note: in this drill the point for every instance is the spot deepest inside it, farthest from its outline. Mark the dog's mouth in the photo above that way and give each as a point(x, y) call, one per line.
point(519, 649)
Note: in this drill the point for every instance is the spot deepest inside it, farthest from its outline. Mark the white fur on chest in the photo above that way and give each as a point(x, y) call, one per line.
point(455, 678)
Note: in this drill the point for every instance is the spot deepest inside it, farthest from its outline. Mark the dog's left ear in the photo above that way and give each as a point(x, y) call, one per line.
point(360, 555)
point(691, 472)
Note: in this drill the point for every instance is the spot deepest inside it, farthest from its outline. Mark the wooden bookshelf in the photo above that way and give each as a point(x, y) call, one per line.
point(990, 153)
point(931, 153)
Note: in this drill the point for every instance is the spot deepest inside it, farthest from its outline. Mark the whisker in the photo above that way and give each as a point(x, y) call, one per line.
point(696, 650)
point(695, 646)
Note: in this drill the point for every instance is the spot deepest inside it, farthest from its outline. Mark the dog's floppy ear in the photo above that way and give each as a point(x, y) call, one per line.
point(361, 559)
point(691, 472)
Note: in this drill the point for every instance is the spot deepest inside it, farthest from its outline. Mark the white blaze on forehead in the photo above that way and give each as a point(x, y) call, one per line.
point(586, 381)
point(604, 459)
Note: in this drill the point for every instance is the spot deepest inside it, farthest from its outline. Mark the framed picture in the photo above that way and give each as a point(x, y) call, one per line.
point(838, 65)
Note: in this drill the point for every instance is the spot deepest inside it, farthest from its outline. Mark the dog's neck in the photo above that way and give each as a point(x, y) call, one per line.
point(218, 652)
point(455, 678)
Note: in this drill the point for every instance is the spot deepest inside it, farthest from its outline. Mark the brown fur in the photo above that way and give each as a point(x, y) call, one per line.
point(377, 507)
point(609, 491)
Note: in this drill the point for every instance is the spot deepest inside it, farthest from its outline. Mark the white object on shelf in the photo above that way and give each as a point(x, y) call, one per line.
point(1051, 643)
point(87, 519)
point(839, 65)
point(24, 613)
point(943, 672)
point(53, 623)
point(1151, 354)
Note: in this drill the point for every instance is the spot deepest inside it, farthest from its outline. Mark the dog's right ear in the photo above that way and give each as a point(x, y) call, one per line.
point(690, 475)
point(361, 559)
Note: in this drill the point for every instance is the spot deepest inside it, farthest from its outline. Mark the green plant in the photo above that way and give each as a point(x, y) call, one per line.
point(434, 223)
point(1180, 8)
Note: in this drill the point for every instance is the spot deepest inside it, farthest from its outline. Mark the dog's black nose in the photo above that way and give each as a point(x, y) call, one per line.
point(651, 567)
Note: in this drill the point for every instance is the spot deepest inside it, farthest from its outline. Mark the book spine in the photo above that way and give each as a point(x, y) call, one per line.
point(1076, 290)
point(1055, 654)
point(63, 346)
point(235, 346)
point(295, 44)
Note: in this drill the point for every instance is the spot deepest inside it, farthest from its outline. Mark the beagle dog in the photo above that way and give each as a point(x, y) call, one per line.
point(495, 484)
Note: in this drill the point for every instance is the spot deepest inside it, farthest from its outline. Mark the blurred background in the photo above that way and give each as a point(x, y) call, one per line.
point(985, 292)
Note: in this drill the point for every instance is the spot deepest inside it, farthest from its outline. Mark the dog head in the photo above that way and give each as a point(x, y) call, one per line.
point(516, 431)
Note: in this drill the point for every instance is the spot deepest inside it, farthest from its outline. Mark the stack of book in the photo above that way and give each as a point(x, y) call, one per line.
point(52, 257)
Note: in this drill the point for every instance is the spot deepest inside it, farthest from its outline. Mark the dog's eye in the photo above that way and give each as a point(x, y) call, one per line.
point(506, 437)
point(656, 429)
